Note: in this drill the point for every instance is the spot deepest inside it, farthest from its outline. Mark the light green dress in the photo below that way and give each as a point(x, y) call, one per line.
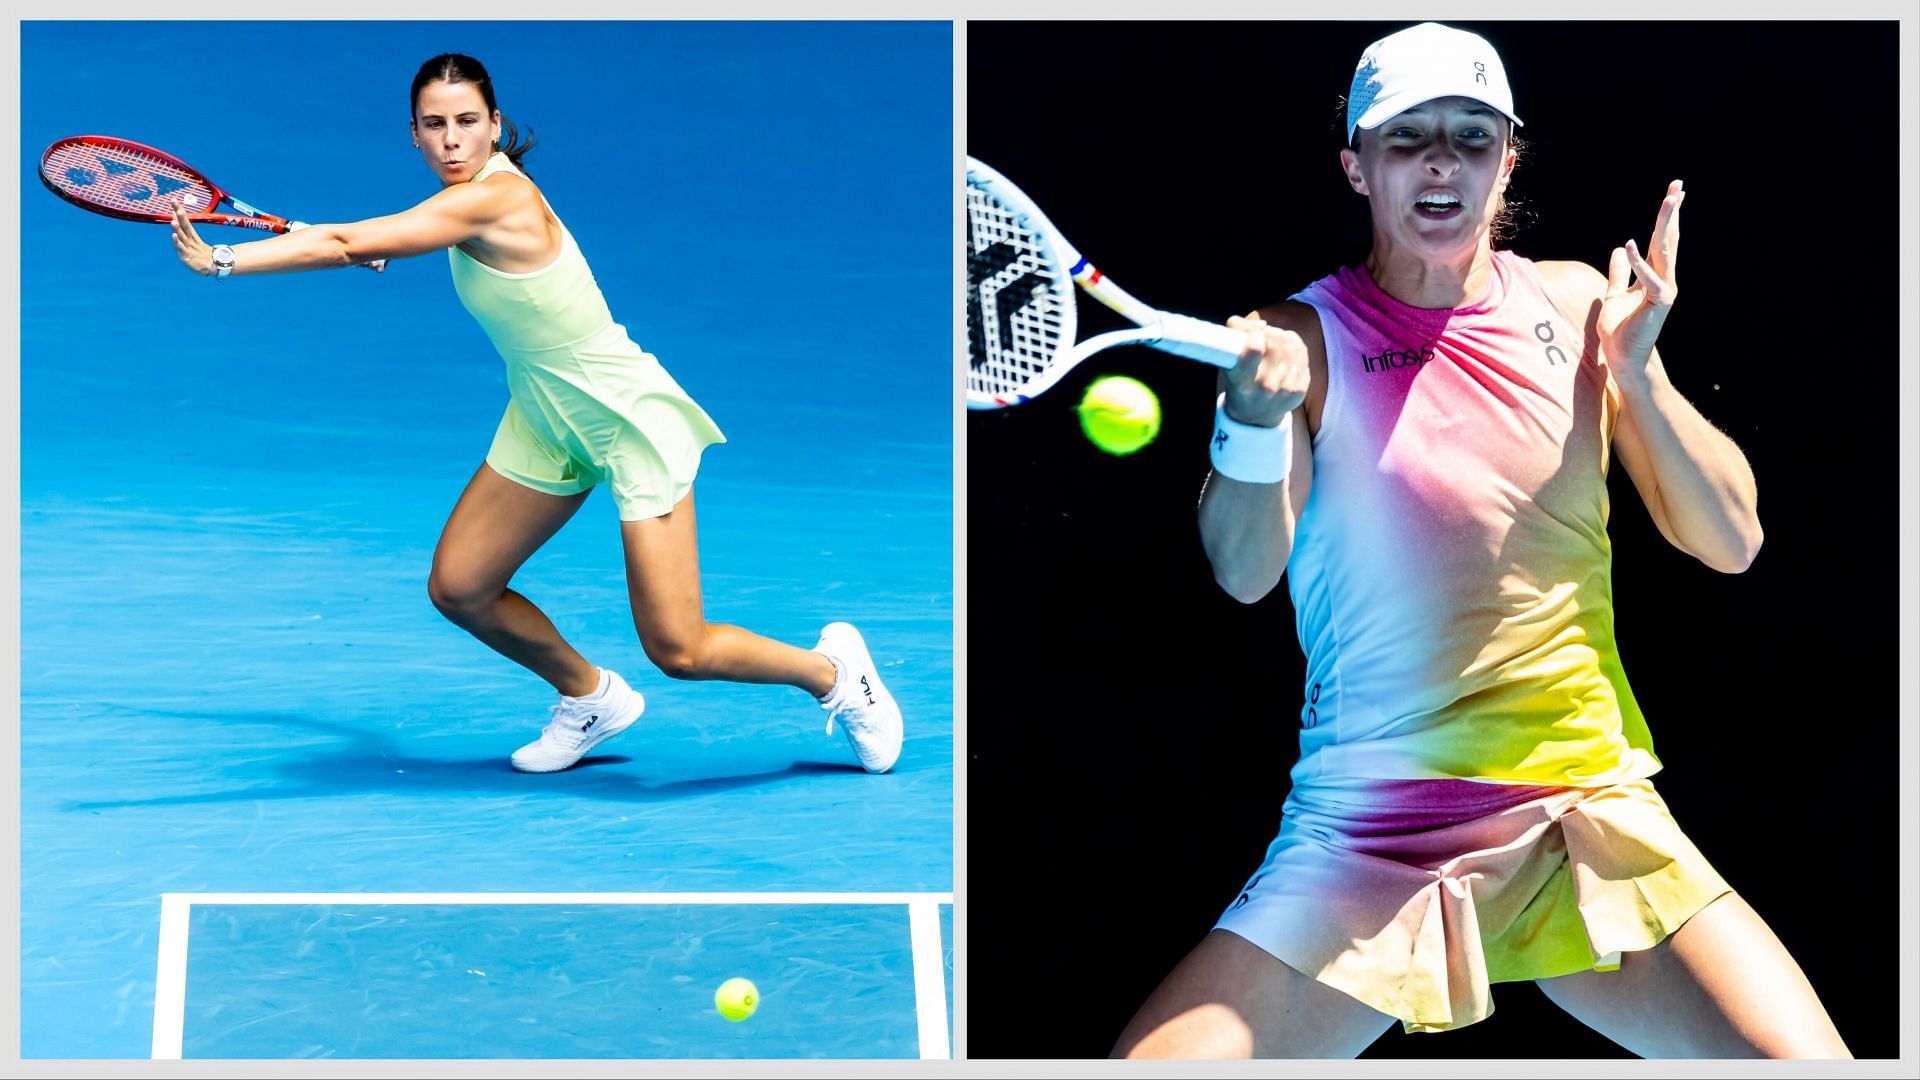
point(587, 403)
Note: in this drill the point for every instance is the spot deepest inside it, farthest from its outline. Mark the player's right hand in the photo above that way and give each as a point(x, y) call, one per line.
point(1271, 378)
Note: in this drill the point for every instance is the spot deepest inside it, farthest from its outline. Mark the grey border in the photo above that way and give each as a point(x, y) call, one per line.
point(10, 553)
point(960, 735)
point(958, 11)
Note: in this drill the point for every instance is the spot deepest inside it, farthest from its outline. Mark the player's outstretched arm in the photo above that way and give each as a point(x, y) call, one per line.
point(451, 216)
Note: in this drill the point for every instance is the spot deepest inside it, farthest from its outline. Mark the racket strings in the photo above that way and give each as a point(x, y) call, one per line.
point(122, 179)
point(1017, 316)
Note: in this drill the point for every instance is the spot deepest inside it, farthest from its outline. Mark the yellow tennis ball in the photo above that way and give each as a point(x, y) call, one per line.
point(1119, 414)
point(736, 999)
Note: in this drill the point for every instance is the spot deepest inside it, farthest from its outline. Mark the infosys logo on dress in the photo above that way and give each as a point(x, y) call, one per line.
point(1397, 358)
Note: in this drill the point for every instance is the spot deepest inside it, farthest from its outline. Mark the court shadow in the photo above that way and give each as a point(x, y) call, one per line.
point(370, 765)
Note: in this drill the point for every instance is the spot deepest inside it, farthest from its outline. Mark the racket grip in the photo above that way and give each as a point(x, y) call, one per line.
point(1197, 339)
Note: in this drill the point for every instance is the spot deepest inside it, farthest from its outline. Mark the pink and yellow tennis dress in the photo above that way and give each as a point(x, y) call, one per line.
point(587, 404)
point(1471, 801)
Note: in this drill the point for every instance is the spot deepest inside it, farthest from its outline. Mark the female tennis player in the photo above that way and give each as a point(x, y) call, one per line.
point(586, 406)
point(1421, 443)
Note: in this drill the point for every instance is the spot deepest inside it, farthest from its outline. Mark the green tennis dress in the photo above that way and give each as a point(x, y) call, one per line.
point(587, 404)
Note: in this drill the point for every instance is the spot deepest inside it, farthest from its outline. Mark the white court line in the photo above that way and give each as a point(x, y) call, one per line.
point(170, 985)
point(923, 922)
point(880, 898)
point(929, 978)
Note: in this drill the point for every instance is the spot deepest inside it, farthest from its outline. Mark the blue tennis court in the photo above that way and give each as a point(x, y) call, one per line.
point(266, 805)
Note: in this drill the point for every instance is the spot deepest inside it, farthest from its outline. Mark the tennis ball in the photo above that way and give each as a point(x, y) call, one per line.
point(1120, 414)
point(736, 999)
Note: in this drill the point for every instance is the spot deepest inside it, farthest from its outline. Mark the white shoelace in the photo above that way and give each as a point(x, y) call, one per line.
point(844, 713)
point(574, 735)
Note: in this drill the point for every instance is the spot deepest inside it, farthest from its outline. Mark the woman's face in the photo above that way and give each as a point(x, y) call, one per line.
point(454, 130)
point(1434, 175)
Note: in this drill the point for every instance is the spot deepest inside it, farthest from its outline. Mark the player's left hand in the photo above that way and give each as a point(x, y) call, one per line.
point(1631, 317)
point(194, 253)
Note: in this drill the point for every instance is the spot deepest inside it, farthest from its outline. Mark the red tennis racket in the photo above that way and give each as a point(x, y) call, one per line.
point(133, 182)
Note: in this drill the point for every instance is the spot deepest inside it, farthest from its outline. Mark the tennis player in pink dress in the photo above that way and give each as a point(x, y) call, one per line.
point(1421, 445)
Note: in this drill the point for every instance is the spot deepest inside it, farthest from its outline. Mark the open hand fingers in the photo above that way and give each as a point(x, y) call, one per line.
point(1659, 290)
point(1618, 269)
point(1664, 247)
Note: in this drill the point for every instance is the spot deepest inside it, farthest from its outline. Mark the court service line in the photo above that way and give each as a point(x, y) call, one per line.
point(923, 922)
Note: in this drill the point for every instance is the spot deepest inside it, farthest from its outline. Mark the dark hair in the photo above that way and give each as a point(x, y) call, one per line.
point(460, 68)
point(1507, 216)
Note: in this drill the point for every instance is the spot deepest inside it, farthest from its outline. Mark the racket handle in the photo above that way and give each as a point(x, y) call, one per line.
point(1197, 339)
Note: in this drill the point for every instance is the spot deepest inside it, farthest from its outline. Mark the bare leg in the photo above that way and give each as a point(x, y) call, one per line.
point(663, 581)
point(1231, 999)
point(1722, 986)
point(495, 527)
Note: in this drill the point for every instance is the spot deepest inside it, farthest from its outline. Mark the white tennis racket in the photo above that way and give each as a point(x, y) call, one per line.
point(1021, 319)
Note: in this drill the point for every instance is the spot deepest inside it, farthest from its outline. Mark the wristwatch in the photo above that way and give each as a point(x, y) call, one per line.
point(222, 261)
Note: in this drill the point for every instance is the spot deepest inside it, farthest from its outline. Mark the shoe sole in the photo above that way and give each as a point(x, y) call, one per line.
point(614, 727)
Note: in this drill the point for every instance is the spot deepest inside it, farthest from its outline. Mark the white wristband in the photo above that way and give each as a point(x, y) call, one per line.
point(1250, 453)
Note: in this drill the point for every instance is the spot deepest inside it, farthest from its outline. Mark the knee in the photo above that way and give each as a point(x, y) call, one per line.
point(462, 602)
point(678, 658)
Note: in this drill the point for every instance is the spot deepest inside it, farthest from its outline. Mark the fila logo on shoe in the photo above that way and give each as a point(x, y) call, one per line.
point(868, 690)
point(589, 723)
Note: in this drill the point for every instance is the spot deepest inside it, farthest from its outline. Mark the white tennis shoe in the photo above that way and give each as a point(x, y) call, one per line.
point(859, 703)
point(580, 724)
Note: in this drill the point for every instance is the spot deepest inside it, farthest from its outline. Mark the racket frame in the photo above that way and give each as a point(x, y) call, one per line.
point(1182, 335)
point(248, 217)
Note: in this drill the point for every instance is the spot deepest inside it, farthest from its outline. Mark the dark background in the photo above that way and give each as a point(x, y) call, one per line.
point(1131, 727)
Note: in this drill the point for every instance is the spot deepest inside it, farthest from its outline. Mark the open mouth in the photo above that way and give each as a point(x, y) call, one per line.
point(1438, 205)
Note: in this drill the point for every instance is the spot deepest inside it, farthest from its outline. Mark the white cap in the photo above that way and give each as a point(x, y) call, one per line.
point(1422, 63)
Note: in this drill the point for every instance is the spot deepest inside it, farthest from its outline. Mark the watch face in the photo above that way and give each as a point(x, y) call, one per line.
point(223, 255)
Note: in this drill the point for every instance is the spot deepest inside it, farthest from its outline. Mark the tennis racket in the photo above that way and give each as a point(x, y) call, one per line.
point(1021, 318)
point(133, 182)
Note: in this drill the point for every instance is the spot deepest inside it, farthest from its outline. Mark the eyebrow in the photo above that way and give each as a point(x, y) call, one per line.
point(1426, 108)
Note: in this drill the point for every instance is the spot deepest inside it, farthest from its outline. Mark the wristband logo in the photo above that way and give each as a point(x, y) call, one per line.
point(1397, 358)
point(1246, 894)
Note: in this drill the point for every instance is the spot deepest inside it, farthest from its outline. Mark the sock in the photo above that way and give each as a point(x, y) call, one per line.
point(599, 691)
point(839, 680)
